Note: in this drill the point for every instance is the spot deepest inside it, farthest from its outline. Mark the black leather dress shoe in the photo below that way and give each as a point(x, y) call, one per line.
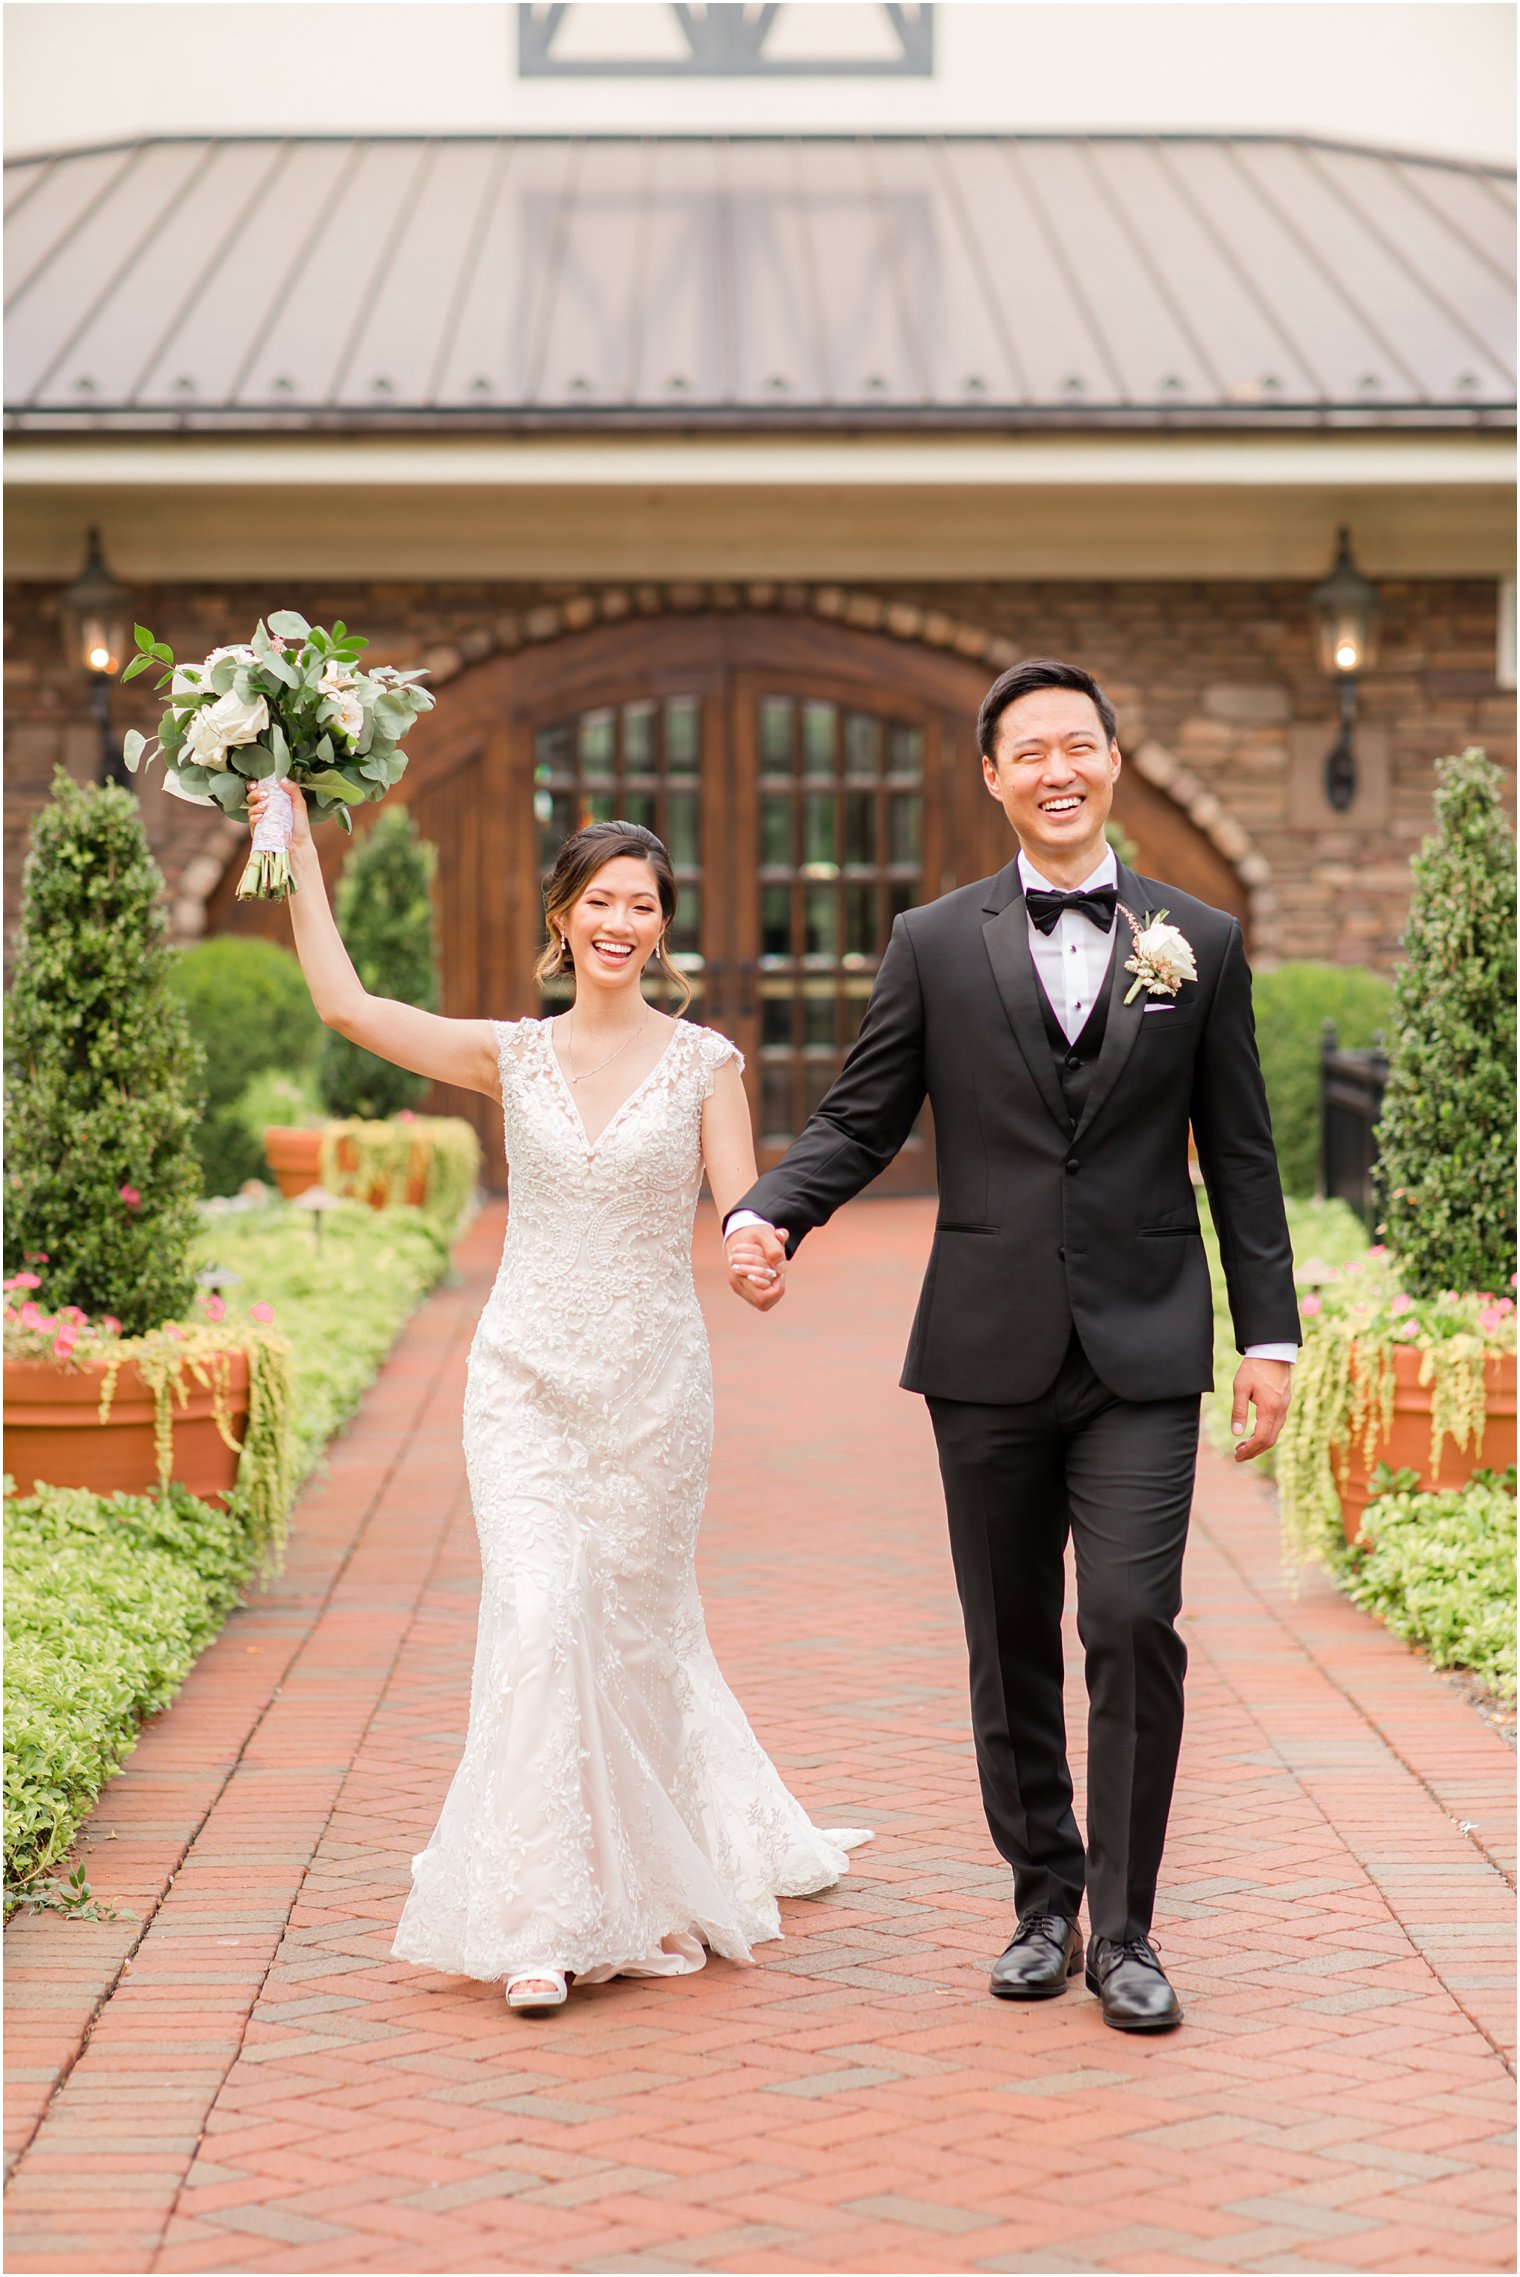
point(1132, 1985)
point(1046, 1950)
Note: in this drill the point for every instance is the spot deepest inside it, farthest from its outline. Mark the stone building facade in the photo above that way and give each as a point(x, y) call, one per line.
point(1223, 709)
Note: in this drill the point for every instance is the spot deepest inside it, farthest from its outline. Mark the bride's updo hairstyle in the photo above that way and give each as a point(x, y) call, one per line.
point(577, 863)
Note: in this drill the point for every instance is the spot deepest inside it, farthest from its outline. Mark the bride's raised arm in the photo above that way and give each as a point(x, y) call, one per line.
point(461, 1052)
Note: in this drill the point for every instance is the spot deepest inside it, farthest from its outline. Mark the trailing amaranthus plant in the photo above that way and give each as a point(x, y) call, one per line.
point(169, 1360)
point(293, 703)
point(375, 1161)
point(1344, 1383)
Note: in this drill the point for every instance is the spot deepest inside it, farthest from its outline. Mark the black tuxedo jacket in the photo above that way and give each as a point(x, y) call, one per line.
point(1042, 1225)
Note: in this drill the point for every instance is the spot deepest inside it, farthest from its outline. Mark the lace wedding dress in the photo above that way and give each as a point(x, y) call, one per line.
point(613, 1811)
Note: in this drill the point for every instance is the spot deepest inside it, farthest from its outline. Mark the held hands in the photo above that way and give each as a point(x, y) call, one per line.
point(756, 1257)
point(259, 795)
point(1266, 1385)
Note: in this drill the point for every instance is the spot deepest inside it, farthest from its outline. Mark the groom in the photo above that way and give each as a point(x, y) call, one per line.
point(1064, 1331)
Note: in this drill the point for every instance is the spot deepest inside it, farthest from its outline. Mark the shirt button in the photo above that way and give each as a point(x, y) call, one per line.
point(1072, 1060)
point(1072, 1167)
point(1061, 1252)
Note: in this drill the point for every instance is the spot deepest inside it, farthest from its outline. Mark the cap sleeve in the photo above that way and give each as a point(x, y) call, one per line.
point(713, 1054)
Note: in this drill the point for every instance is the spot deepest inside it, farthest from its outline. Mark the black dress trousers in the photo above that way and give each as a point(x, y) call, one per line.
point(1119, 1475)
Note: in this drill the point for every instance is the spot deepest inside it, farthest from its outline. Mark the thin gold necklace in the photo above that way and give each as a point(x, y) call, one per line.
point(601, 1063)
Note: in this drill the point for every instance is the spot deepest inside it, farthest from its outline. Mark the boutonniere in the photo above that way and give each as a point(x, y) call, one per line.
point(1163, 957)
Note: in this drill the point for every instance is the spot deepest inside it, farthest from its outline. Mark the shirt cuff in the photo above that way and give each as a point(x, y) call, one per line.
point(1288, 1352)
point(745, 1217)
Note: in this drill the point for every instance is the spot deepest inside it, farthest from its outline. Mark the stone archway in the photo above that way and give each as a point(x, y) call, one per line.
point(203, 881)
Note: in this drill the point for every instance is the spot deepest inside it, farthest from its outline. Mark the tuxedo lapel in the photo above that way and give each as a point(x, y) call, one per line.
point(1007, 937)
point(1123, 1019)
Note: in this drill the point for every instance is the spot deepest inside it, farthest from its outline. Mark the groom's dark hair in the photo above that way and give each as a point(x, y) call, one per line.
point(1022, 680)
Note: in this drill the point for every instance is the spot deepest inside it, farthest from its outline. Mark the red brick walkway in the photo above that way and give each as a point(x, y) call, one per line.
point(245, 2080)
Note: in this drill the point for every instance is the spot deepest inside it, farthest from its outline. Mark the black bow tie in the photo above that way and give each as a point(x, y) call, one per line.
point(1096, 902)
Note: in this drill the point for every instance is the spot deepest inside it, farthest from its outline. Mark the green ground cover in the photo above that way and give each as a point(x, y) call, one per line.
point(1439, 1570)
point(340, 1294)
point(108, 1601)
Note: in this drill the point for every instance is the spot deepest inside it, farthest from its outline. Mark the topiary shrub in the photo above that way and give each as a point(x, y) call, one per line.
point(1447, 1135)
point(385, 915)
point(103, 1074)
point(1292, 1005)
point(250, 1010)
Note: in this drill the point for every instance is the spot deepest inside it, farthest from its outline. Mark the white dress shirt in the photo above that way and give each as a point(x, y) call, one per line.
point(1072, 961)
point(1073, 958)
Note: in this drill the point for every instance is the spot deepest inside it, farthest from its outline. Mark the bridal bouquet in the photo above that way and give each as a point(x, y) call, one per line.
point(291, 703)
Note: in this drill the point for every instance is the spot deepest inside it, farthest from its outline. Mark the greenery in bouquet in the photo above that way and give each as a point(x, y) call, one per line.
point(292, 703)
point(1356, 1318)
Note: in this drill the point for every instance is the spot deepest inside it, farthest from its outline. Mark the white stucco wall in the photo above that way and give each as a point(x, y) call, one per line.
point(1431, 75)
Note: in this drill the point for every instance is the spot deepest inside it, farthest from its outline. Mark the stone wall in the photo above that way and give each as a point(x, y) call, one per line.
point(1220, 699)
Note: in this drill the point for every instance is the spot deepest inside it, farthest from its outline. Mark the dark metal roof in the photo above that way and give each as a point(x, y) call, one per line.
point(460, 281)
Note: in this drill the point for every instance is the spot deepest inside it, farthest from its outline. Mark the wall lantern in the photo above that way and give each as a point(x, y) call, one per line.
point(97, 617)
point(1345, 610)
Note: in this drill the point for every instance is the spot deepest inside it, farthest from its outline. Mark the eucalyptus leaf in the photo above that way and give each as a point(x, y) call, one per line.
point(224, 674)
point(229, 791)
point(132, 749)
point(253, 760)
point(290, 625)
point(330, 783)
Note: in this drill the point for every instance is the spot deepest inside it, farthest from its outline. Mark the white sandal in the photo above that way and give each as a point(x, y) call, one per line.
point(542, 1989)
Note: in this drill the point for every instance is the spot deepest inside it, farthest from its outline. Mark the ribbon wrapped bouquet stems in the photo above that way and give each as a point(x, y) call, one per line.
point(293, 703)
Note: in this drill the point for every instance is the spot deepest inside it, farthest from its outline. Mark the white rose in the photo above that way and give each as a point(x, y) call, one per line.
point(1169, 955)
point(203, 739)
point(235, 721)
point(350, 715)
point(335, 678)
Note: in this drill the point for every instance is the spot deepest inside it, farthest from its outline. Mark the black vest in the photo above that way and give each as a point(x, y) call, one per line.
point(1076, 1060)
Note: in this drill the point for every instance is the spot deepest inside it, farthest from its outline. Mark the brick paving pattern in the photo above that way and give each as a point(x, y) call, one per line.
point(243, 2079)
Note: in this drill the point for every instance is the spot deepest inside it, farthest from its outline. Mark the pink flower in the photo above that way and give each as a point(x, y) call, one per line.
point(24, 1281)
point(1491, 1319)
point(130, 1196)
point(405, 1115)
point(1311, 1305)
point(31, 1316)
point(37, 1257)
point(64, 1344)
point(261, 1312)
point(73, 1313)
point(1402, 1303)
point(1378, 1249)
point(172, 1328)
point(110, 1324)
point(215, 1308)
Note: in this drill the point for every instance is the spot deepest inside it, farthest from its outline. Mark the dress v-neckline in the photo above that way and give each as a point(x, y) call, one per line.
point(591, 1144)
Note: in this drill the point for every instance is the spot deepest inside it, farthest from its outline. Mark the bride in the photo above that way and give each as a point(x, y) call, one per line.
point(613, 1813)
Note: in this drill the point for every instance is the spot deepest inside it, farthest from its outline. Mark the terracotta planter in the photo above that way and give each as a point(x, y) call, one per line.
point(294, 1155)
point(53, 1435)
point(1406, 1445)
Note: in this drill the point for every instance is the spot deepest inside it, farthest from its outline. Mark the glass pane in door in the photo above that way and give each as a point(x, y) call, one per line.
point(841, 850)
point(639, 761)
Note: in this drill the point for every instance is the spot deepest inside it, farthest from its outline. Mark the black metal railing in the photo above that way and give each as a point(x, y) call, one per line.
point(1351, 1085)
